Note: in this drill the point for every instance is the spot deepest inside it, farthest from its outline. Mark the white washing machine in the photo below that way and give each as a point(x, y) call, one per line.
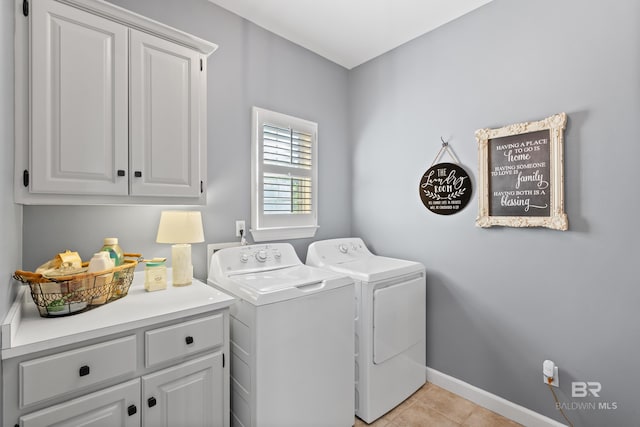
point(291, 338)
point(390, 355)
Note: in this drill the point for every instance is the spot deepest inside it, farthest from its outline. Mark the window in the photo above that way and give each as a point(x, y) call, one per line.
point(284, 184)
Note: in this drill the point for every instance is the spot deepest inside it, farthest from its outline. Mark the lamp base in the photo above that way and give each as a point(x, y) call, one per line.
point(182, 284)
point(182, 269)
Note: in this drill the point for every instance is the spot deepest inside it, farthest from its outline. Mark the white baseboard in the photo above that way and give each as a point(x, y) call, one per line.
point(494, 403)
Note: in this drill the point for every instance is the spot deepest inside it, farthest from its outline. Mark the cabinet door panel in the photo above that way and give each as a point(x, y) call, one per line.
point(105, 408)
point(165, 140)
point(189, 394)
point(79, 102)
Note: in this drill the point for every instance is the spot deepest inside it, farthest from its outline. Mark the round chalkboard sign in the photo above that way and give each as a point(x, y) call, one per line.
point(445, 188)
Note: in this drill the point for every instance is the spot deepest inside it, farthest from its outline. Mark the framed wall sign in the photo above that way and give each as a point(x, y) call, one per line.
point(521, 175)
point(445, 188)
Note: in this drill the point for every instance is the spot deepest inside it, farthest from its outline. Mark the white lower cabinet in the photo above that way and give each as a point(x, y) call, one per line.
point(190, 394)
point(110, 382)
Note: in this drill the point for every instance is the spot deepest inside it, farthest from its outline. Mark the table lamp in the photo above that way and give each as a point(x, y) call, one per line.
point(180, 228)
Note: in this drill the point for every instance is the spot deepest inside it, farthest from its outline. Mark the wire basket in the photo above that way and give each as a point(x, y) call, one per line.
point(66, 295)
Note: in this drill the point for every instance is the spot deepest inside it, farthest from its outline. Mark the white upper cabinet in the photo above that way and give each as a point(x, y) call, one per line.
point(165, 126)
point(79, 103)
point(110, 107)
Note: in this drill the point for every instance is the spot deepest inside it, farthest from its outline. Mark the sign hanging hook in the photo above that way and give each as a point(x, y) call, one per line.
point(448, 149)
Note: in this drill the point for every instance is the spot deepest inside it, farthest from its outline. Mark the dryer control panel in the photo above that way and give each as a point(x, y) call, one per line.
point(336, 251)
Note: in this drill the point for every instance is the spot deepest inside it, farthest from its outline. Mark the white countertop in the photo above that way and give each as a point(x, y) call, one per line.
point(25, 331)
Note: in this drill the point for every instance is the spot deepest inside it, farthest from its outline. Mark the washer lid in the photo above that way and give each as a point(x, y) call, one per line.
point(266, 287)
point(375, 268)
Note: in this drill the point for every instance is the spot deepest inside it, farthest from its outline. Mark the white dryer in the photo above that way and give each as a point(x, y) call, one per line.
point(291, 338)
point(390, 355)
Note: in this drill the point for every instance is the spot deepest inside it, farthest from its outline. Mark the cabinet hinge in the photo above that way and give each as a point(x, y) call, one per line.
point(25, 178)
point(223, 360)
point(201, 65)
point(25, 7)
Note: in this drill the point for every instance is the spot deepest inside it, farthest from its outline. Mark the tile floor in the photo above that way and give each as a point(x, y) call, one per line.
point(432, 406)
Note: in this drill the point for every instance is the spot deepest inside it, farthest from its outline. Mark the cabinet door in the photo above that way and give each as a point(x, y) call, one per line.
point(79, 102)
point(115, 406)
point(165, 117)
point(190, 394)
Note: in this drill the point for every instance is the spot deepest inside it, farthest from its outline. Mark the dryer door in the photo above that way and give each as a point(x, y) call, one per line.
point(399, 316)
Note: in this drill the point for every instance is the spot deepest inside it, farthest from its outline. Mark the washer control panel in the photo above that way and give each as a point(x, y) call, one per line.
point(261, 255)
point(248, 258)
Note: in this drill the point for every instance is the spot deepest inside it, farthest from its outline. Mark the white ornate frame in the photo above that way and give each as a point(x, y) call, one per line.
point(558, 219)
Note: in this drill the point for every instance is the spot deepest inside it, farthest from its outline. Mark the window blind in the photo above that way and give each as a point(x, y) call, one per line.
point(285, 194)
point(288, 148)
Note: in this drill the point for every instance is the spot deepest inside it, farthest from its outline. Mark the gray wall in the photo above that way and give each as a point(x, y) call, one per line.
point(489, 322)
point(10, 213)
point(251, 67)
point(502, 300)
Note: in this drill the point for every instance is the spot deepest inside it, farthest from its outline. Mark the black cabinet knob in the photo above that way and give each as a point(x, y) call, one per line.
point(131, 410)
point(151, 402)
point(137, 174)
point(121, 172)
point(189, 340)
point(84, 371)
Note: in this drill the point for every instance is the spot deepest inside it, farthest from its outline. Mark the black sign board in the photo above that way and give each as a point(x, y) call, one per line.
point(519, 173)
point(445, 188)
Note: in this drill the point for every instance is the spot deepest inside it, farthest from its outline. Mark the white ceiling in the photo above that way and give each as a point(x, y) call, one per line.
point(350, 32)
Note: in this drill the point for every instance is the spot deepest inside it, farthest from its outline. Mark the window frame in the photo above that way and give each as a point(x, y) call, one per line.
point(281, 226)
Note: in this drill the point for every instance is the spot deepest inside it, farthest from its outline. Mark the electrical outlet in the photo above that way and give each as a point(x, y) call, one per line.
point(240, 226)
point(550, 369)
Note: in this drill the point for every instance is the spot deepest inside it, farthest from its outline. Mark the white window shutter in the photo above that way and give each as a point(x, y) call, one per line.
point(284, 176)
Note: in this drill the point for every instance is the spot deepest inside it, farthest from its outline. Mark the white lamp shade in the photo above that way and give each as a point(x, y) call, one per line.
point(180, 227)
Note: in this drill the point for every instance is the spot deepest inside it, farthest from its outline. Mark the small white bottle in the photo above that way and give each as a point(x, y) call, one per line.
point(101, 261)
